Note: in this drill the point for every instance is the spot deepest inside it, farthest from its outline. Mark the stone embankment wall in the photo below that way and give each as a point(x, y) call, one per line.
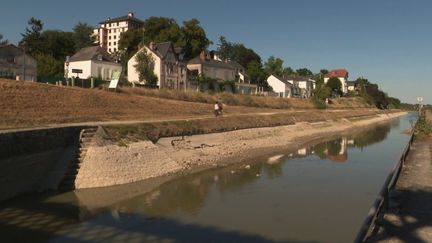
point(35, 159)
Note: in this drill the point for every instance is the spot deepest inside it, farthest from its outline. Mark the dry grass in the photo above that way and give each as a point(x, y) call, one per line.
point(27, 104)
point(227, 98)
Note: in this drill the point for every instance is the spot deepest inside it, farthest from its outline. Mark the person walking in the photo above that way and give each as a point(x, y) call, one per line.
point(216, 109)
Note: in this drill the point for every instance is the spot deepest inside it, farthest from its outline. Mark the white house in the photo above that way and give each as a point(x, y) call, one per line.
point(170, 70)
point(93, 61)
point(303, 86)
point(108, 34)
point(342, 75)
point(280, 85)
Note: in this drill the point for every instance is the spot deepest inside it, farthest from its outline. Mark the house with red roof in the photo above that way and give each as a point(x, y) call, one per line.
point(342, 75)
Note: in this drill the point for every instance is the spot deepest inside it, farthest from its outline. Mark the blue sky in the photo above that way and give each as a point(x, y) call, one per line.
point(387, 41)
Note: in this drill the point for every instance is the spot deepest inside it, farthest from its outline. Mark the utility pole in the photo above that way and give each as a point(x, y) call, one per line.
point(24, 62)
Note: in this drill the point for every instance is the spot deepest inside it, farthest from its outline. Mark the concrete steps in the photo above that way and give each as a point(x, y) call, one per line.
point(85, 140)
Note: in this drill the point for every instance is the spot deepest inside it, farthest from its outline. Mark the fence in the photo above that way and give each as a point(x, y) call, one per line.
point(382, 201)
point(83, 83)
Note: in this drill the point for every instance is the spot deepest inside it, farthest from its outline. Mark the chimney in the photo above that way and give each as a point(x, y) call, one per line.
point(130, 14)
point(203, 55)
point(152, 46)
point(109, 18)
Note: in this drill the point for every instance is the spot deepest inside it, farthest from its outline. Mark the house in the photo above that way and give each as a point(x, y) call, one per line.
point(93, 61)
point(108, 34)
point(205, 65)
point(212, 66)
point(302, 86)
point(170, 70)
point(353, 86)
point(281, 86)
point(16, 64)
point(244, 85)
point(342, 75)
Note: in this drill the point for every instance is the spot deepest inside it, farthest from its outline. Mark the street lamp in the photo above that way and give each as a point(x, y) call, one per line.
point(420, 105)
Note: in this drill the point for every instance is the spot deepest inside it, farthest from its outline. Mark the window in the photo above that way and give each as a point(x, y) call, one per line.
point(115, 37)
point(117, 23)
point(109, 31)
point(114, 43)
point(109, 25)
point(115, 30)
point(109, 43)
point(109, 50)
point(109, 37)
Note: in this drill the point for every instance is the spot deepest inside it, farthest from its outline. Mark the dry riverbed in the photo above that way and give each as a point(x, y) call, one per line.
point(108, 164)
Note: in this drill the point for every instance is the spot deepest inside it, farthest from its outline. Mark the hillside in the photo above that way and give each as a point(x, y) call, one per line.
point(24, 104)
point(27, 104)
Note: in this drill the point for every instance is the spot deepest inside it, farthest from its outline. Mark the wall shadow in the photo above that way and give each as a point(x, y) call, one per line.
point(408, 220)
point(43, 220)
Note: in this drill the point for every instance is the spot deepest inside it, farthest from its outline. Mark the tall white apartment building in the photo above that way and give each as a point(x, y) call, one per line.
point(108, 34)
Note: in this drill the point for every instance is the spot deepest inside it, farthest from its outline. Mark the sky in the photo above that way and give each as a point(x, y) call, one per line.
point(388, 42)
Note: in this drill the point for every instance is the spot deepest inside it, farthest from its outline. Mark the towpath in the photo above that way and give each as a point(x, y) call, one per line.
point(410, 215)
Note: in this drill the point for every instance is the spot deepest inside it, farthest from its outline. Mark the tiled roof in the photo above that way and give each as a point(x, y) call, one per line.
point(10, 50)
point(283, 80)
point(211, 63)
point(162, 48)
point(299, 78)
point(91, 53)
point(338, 73)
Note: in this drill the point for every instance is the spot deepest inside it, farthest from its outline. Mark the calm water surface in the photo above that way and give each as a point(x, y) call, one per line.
point(318, 193)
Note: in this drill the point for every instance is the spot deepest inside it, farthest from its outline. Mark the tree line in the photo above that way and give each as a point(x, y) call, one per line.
point(50, 48)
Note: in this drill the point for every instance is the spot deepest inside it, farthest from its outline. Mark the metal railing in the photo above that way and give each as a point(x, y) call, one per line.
point(382, 201)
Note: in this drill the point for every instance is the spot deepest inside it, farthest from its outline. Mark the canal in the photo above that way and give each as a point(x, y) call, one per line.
point(320, 192)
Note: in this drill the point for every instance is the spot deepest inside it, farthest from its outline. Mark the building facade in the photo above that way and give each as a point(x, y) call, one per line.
point(342, 75)
point(16, 64)
point(282, 87)
point(205, 65)
point(108, 34)
point(93, 61)
point(170, 70)
point(302, 86)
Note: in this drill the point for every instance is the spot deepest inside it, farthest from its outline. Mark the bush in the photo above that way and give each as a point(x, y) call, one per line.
point(423, 126)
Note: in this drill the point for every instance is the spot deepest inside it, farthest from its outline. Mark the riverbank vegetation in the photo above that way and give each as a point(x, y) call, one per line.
point(155, 130)
point(424, 124)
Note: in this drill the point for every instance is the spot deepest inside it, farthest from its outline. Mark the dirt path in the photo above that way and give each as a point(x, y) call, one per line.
point(410, 216)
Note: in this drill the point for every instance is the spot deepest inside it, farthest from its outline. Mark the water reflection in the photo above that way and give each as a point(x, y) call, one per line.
point(289, 196)
point(189, 195)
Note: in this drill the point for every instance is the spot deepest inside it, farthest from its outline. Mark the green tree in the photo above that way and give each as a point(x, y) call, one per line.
point(144, 67)
point(49, 66)
point(56, 46)
point(304, 72)
point(324, 71)
point(162, 29)
point(320, 93)
point(194, 37)
point(129, 43)
point(274, 66)
point(256, 73)
point(335, 85)
point(83, 35)
point(2, 41)
point(237, 52)
point(288, 71)
point(32, 40)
